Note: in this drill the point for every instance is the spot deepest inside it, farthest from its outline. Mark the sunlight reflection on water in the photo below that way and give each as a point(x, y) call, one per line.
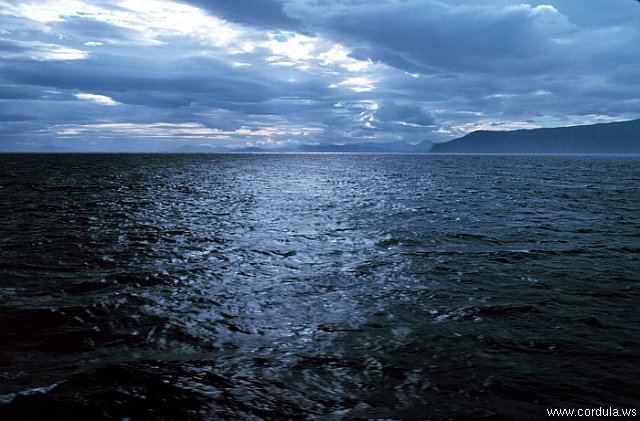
point(284, 286)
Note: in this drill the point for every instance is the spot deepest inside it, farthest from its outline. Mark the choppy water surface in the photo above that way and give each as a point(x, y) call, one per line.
point(317, 286)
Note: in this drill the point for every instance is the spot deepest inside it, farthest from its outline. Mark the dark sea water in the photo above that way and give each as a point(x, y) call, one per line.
point(246, 287)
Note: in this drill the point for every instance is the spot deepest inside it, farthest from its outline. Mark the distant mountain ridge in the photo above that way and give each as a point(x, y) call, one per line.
point(604, 138)
point(363, 147)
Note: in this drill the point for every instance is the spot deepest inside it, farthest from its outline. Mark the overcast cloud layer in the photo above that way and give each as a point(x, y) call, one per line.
point(149, 75)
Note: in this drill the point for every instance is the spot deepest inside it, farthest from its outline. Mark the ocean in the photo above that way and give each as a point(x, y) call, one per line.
point(317, 286)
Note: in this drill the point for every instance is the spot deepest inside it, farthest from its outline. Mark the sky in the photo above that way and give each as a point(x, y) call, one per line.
point(153, 75)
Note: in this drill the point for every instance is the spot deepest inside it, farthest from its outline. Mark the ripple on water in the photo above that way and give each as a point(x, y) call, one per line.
point(328, 286)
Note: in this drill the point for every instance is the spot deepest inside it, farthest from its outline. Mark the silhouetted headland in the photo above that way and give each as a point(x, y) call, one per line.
point(607, 138)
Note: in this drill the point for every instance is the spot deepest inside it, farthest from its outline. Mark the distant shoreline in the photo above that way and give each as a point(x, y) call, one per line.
point(618, 138)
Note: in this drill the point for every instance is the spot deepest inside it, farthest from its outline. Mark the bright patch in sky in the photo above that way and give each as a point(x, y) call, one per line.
point(98, 99)
point(39, 51)
point(358, 84)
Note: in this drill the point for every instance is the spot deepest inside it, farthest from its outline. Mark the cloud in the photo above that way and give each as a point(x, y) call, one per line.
point(264, 13)
point(38, 51)
point(431, 36)
point(98, 99)
point(93, 32)
point(180, 132)
point(407, 115)
point(262, 72)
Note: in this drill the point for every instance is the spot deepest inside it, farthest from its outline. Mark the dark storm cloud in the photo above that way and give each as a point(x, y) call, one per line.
point(310, 70)
point(390, 111)
point(122, 78)
point(499, 38)
point(427, 35)
point(262, 13)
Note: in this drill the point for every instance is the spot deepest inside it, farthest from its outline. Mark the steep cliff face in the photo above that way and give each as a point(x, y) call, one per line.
point(618, 138)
